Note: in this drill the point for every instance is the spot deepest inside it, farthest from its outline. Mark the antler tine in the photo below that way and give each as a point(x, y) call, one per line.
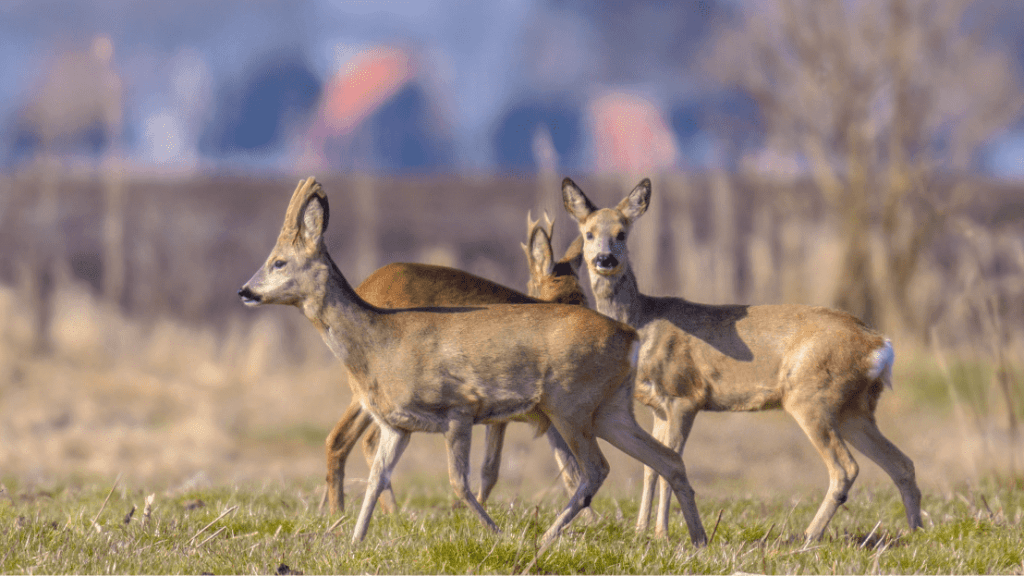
point(530, 223)
point(550, 225)
point(532, 226)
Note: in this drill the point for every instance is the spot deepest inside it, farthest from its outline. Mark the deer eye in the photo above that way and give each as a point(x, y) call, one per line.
point(621, 236)
point(278, 264)
point(590, 235)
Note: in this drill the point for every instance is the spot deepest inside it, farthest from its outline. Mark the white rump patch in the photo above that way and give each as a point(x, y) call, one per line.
point(881, 363)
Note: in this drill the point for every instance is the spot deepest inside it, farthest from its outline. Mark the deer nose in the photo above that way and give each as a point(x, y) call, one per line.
point(247, 295)
point(606, 261)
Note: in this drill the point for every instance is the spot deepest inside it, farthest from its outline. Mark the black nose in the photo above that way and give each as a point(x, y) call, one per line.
point(248, 295)
point(606, 261)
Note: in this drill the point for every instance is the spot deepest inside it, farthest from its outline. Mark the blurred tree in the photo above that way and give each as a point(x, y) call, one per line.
point(887, 104)
point(76, 110)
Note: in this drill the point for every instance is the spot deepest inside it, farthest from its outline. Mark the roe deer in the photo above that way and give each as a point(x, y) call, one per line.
point(822, 366)
point(445, 369)
point(403, 285)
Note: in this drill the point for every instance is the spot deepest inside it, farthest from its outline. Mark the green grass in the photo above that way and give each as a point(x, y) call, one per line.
point(253, 529)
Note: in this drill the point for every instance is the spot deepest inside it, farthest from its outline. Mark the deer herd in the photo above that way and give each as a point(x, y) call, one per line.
point(435, 349)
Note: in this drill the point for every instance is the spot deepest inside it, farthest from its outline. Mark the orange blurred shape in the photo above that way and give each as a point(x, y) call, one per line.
point(367, 81)
point(630, 134)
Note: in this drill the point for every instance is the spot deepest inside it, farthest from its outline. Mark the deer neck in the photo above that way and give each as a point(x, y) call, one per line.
point(617, 296)
point(346, 322)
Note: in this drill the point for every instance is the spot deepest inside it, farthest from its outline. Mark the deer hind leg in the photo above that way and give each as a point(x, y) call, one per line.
point(593, 469)
point(861, 431)
point(569, 470)
point(658, 431)
point(392, 443)
point(567, 466)
point(339, 443)
point(680, 422)
point(458, 437)
point(370, 441)
point(823, 432)
point(494, 441)
point(615, 423)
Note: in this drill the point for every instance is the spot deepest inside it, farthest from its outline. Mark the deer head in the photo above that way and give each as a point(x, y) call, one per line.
point(298, 262)
point(605, 230)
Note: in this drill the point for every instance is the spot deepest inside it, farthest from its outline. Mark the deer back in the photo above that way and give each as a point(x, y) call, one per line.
point(405, 285)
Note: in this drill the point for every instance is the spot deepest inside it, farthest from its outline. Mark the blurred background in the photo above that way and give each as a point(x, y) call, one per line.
point(867, 155)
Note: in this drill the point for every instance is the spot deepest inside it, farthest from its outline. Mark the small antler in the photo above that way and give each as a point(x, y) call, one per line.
point(304, 191)
point(550, 225)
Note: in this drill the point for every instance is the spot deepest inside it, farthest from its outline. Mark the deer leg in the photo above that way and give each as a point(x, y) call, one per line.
point(593, 470)
point(567, 466)
point(861, 431)
point(370, 441)
point(679, 424)
point(569, 469)
point(615, 423)
point(494, 440)
point(650, 477)
point(458, 437)
point(392, 443)
point(842, 469)
point(339, 443)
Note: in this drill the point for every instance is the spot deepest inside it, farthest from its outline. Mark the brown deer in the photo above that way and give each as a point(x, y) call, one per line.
point(404, 285)
point(822, 366)
point(443, 370)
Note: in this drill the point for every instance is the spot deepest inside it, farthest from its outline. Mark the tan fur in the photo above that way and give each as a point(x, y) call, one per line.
point(403, 285)
point(445, 369)
point(822, 366)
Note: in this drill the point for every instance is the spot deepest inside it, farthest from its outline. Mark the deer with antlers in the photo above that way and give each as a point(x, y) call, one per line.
point(406, 285)
point(822, 366)
point(443, 370)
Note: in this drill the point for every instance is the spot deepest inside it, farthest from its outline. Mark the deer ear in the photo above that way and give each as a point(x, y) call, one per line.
point(576, 203)
point(635, 204)
point(314, 220)
point(540, 254)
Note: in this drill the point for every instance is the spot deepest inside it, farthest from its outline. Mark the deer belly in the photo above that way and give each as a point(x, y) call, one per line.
point(740, 396)
point(429, 407)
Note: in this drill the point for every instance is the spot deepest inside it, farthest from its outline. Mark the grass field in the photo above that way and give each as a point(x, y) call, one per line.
point(91, 528)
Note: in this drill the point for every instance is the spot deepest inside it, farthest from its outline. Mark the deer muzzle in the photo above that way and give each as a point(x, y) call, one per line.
point(605, 263)
point(249, 298)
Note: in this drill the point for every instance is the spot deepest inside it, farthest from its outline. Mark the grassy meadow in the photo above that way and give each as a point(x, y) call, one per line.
point(128, 369)
point(276, 528)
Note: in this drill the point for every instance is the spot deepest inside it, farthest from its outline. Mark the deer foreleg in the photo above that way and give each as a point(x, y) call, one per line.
point(370, 441)
point(650, 476)
point(392, 443)
point(677, 430)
